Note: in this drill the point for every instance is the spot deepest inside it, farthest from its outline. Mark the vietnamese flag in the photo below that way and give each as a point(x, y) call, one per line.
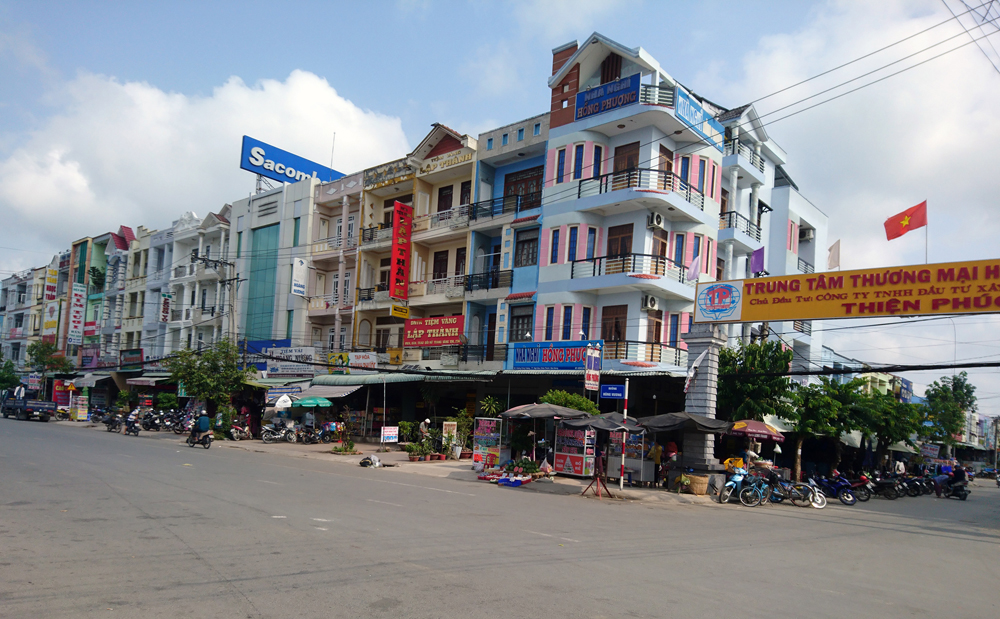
point(910, 219)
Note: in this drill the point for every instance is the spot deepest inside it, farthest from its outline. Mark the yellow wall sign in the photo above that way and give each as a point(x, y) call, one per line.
point(947, 288)
point(400, 311)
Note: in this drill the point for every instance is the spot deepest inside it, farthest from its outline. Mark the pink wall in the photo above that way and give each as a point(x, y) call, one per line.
point(545, 241)
point(683, 329)
point(539, 335)
point(550, 168)
point(588, 159)
point(574, 333)
point(563, 240)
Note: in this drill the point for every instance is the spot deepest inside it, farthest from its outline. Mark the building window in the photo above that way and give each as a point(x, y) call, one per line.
point(538, 129)
point(567, 326)
point(714, 168)
point(526, 248)
point(697, 251)
point(565, 103)
point(685, 169)
point(571, 250)
point(679, 249)
point(725, 201)
point(578, 162)
point(701, 175)
point(585, 323)
point(591, 242)
point(489, 143)
point(598, 155)
point(522, 320)
point(460, 259)
point(288, 324)
point(560, 165)
point(295, 232)
point(239, 246)
point(554, 257)
point(708, 255)
point(675, 320)
point(550, 315)
point(503, 140)
point(520, 135)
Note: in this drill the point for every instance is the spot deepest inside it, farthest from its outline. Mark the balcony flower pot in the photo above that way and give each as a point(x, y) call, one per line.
point(465, 455)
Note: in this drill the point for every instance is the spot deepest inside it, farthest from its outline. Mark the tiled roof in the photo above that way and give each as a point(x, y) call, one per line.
point(516, 296)
point(644, 276)
point(733, 113)
point(639, 364)
point(120, 243)
point(127, 233)
point(521, 220)
point(221, 218)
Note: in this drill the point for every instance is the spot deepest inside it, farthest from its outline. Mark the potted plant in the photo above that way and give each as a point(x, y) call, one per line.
point(413, 451)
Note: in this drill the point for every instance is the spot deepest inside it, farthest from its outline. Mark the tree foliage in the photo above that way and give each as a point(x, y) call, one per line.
point(948, 402)
point(8, 374)
point(742, 394)
point(814, 412)
point(43, 357)
point(97, 278)
point(212, 374)
point(889, 421)
point(569, 400)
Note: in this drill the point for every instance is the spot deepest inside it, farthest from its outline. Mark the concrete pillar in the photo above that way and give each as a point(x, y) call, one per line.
point(754, 200)
point(201, 244)
point(699, 449)
point(337, 323)
point(345, 207)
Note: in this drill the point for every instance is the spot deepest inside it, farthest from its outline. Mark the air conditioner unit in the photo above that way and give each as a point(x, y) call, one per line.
point(648, 302)
point(654, 220)
point(807, 234)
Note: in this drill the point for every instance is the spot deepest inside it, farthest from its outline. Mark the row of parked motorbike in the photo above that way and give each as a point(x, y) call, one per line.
point(180, 422)
point(753, 489)
point(293, 434)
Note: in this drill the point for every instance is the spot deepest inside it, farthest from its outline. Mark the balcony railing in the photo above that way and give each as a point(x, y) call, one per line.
point(656, 95)
point(504, 205)
point(732, 219)
point(482, 354)
point(488, 280)
point(184, 270)
point(630, 264)
point(375, 235)
point(335, 243)
point(445, 285)
point(456, 217)
point(803, 326)
point(805, 267)
point(369, 294)
point(641, 178)
point(744, 151)
point(644, 352)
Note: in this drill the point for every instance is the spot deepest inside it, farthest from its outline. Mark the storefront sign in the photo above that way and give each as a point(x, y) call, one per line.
point(90, 328)
point(399, 275)
point(390, 434)
point(552, 355)
point(592, 374)
point(700, 121)
point(166, 299)
point(77, 311)
point(51, 283)
point(399, 311)
point(50, 318)
point(387, 174)
point(930, 451)
point(60, 394)
point(946, 288)
point(449, 430)
point(486, 440)
point(89, 356)
point(279, 165)
point(613, 392)
point(291, 362)
point(352, 362)
point(34, 380)
point(300, 276)
point(130, 360)
point(607, 97)
point(426, 332)
point(447, 160)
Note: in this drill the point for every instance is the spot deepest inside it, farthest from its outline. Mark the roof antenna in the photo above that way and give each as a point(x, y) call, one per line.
point(333, 146)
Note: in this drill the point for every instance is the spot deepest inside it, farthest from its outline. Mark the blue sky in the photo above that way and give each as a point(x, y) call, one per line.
point(117, 114)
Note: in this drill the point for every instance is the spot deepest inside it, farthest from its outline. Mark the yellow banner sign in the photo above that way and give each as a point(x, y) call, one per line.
point(400, 311)
point(947, 288)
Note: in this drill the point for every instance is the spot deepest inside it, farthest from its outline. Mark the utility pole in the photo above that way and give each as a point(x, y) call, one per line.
point(231, 284)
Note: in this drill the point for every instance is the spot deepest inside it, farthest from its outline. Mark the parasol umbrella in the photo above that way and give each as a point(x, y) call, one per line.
point(756, 429)
point(543, 411)
point(312, 402)
point(283, 402)
point(688, 422)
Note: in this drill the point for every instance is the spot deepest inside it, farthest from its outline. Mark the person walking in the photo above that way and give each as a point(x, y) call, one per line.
point(656, 454)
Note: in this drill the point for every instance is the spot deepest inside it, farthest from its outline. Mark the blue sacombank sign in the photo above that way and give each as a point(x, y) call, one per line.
point(552, 355)
point(701, 123)
point(607, 97)
point(280, 165)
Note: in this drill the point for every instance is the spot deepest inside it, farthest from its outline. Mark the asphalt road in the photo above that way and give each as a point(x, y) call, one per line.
point(102, 525)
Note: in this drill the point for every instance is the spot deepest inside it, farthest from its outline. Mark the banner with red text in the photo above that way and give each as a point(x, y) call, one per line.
point(399, 276)
point(424, 332)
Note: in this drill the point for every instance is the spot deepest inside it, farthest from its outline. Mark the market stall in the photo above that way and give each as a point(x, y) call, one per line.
point(616, 425)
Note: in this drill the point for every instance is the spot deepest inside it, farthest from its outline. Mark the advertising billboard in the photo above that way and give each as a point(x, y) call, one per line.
point(352, 362)
point(300, 275)
point(130, 360)
point(77, 312)
point(280, 165)
point(50, 318)
point(292, 362)
point(926, 289)
point(553, 355)
point(700, 121)
point(607, 97)
point(399, 274)
point(166, 298)
point(51, 283)
point(426, 332)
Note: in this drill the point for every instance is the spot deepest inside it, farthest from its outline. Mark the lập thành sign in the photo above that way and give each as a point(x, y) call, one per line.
point(946, 288)
point(399, 274)
point(443, 331)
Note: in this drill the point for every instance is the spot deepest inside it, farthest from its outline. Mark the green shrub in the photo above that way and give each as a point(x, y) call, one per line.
point(569, 400)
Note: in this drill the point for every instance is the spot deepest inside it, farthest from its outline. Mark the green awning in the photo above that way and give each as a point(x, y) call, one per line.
point(267, 383)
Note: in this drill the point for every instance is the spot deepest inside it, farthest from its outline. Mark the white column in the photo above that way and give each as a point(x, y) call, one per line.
point(734, 189)
point(754, 191)
point(337, 322)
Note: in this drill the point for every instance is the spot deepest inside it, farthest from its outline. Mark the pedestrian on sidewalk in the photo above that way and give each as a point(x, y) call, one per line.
point(656, 454)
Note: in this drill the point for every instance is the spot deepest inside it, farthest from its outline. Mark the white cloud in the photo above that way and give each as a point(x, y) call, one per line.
point(929, 133)
point(129, 153)
point(554, 20)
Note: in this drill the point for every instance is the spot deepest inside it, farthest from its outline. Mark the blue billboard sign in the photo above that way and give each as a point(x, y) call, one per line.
point(607, 97)
point(700, 121)
point(552, 355)
point(279, 165)
point(613, 392)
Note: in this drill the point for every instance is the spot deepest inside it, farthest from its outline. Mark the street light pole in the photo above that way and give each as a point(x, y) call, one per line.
point(621, 476)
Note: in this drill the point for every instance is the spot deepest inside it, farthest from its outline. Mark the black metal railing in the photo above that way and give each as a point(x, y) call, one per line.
point(732, 219)
point(504, 205)
point(630, 264)
point(373, 235)
point(803, 326)
point(489, 280)
point(644, 352)
point(483, 354)
point(805, 267)
point(641, 178)
point(743, 151)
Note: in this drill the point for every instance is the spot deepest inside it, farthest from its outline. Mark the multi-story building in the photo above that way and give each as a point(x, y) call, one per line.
point(136, 304)
point(159, 299)
point(108, 322)
point(16, 299)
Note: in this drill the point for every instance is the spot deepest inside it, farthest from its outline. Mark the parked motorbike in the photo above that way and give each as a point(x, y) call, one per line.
point(240, 431)
point(733, 486)
point(183, 425)
point(884, 487)
point(273, 434)
point(836, 487)
point(309, 436)
point(151, 422)
point(798, 493)
point(956, 490)
point(205, 441)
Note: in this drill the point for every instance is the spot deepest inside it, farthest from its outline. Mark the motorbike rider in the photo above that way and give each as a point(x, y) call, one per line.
point(132, 419)
point(202, 426)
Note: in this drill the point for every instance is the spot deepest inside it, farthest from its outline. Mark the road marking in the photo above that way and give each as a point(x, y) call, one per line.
point(383, 502)
point(187, 465)
point(279, 517)
point(264, 481)
point(321, 529)
point(565, 539)
point(321, 520)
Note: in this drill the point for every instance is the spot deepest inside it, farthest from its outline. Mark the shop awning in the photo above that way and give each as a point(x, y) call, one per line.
point(268, 383)
point(329, 392)
point(542, 411)
point(688, 422)
point(611, 422)
point(148, 380)
point(90, 380)
point(903, 447)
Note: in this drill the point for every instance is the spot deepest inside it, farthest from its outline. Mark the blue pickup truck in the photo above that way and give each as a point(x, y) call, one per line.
point(24, 409)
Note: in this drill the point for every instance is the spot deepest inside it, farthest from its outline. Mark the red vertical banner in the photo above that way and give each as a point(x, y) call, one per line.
point(399, 279)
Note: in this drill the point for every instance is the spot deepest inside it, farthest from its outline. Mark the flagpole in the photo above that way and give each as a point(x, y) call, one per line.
point(926, 226)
